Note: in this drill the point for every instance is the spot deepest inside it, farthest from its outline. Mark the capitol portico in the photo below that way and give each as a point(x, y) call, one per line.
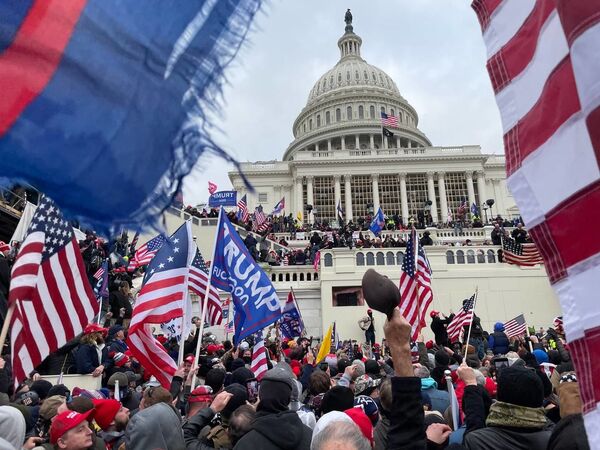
point(340, 154)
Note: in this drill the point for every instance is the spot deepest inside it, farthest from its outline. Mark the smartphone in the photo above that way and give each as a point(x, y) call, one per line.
point(252, 390)
point(500, 363)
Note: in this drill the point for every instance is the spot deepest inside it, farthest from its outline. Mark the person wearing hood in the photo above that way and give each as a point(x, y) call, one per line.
point(515, 421)
point(12, 425)
point(158, 426)
point(498, 341)
point(276, 427)
point(440, 400)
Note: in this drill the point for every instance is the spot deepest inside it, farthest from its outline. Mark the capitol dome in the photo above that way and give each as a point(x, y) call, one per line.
point(343, 110)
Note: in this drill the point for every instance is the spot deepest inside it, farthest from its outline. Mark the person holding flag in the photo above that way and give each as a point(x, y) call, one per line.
point(291, 324)
point(279, 207)
point(255, 300)
point(378, 223)
point(163, 297)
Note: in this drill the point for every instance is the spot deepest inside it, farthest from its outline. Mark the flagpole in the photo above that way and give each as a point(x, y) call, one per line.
point(205, 302)
point(529, 336)
point(6, 324)
point(471, 323)
point(181, 341)
point(298, 309)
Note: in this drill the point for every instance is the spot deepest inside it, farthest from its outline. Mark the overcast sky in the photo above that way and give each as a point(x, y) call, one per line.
point(432, 49)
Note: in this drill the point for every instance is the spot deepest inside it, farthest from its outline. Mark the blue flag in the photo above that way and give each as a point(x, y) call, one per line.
point(104, 103)
point(377, 223)
point(256, 304)
point(474, 209)
point(101, 288)
point(291, 324)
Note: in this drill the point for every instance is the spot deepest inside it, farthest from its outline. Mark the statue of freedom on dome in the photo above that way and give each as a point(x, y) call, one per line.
point(348, 20)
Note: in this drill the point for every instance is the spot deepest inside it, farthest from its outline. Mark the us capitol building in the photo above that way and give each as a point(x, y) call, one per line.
point(339, 154)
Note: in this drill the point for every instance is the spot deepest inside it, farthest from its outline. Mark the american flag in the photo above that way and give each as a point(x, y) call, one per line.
point(317, 261)
point(242, 213)
point(543, 61)
point(53, 300)
point(146, 252)
point(259, 359)
point(162, 297)
point(198, 283)
point(520, 254)
point(516, 326)
point(229, 327)
point(389, 120)
point(415, 284)
point(260, 220)
point(99, 272)
point(463, 318)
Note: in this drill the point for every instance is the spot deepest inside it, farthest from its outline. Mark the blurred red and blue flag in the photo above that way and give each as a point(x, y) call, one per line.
point(104, 103)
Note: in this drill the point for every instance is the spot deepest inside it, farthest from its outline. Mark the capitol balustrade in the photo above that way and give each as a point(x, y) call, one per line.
point(391, 152)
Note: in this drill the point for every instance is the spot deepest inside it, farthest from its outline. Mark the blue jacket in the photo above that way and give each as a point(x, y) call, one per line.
point(86, 359)
point(498, 341)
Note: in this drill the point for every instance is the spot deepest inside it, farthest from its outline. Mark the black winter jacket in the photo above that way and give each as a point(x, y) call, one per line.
point(282, 431)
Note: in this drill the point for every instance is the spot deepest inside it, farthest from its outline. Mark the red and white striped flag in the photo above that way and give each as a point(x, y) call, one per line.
point(99, 273)
point(146, 252)
point(415, 284)
point(163, 297)
point(462, 319)
point(53, 300)
point(259, 359)
point(544, 64)
point(525, 254)
point(516, 326)
point(389, 120)
point(317, 261)
point(198, 283)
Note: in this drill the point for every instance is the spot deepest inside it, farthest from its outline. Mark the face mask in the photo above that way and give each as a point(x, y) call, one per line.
point(247, 359)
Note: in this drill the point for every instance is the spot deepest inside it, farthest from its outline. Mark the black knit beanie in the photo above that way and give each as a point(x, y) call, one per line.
point(520, 386)
point(338, 398)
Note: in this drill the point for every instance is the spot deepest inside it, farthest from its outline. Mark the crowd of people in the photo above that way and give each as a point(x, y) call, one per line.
point(511, 394)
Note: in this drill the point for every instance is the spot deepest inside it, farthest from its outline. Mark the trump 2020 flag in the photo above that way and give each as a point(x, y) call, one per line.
point(377, 223)
point(104, 102)
point(291, 324)
point(234, 270)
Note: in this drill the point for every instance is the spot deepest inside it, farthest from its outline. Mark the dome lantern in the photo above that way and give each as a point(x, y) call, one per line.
point(349, 44)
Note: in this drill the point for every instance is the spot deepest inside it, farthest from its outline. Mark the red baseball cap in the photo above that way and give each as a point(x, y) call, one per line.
point(212, 348)
point(66, 421)
point(4, 247)
point(95, 328)
point(369, 310)
point(433, 313)
point(201, 394)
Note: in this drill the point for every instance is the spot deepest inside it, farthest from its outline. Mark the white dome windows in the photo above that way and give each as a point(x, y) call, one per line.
point(318, 120)
point(361, 112)
point(372, 112)
point(348, 76)
point(349, 113)
point(338, 115)
point(357, 76)
point(327, 118)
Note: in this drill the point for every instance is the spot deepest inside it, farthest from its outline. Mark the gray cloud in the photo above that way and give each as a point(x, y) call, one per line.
point(432, 49)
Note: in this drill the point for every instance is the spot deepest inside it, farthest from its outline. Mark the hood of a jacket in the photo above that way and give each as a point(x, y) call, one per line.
point(158, 426)
point(285, 429)
point(499, 326)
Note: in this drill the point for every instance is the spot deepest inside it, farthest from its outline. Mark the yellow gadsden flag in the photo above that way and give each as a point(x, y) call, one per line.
point(299, 216)
point(325, 345)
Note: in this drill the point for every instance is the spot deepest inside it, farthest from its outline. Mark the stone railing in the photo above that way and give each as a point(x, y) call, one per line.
point(292, 274)
point(440, 258)
point(392, 152)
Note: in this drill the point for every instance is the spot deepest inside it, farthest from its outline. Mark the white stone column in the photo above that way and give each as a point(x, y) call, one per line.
point(375, 180)
point(431, 195)
point(481, 187)
point(470, 190)
point(403, 198)
point(385, 142)
point(337, 192)
point(500, 205)
point(299, 203)
point(317, 147)
point(343, 143)
point(328, 145)
point(443, 198)
point(372, 141)
point(309, 196)
point(348, 195)
point(397, 141)
point(357, 142)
